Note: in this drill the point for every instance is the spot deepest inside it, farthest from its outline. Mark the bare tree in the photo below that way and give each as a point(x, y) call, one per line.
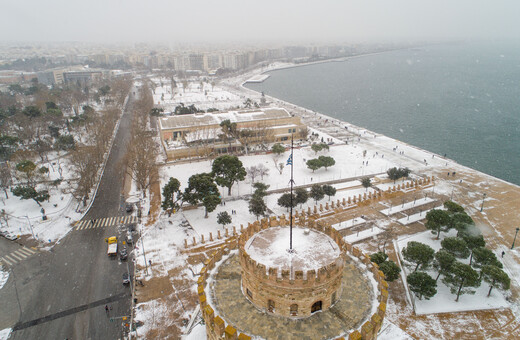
point(84, 164)
point(262, 170)
point(6, 178)
point(252, 172)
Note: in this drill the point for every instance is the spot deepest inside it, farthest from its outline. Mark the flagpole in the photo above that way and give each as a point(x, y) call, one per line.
point(292, 181)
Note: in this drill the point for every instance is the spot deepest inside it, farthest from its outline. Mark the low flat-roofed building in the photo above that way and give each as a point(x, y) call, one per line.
point(200, 134)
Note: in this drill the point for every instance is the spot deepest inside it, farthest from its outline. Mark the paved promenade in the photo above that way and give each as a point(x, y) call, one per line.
point(347, 314)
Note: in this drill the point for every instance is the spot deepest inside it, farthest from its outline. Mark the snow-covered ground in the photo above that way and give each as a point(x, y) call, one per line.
point(4, 275)
point(203, 95)
point(444, 300)
point(25, 217)
point(5, 333)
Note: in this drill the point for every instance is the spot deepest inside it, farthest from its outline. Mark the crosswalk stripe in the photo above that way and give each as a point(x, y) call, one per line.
point(10, 258)
point(105, 222)
point(19, 253)
point(16, 256)
point(26, 251)
point(6, 261)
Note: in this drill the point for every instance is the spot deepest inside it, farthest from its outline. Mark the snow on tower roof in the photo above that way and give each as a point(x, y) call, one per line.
point(312, 249)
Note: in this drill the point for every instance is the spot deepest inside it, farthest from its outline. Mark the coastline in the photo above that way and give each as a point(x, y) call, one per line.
point(302, 111)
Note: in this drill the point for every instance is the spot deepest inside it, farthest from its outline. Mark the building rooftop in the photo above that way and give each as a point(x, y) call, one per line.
point(206, 119)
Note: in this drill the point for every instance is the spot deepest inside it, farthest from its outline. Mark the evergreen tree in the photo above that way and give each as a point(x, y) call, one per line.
point(227, 170)
point(456, 246)
point(461, 278)
point(418, 253)
point(317, 192)
point(285, 200)
point(314, 164)
point(443, 262)
point(437, 221)
point(483, 256)
point(329, 190)
point(495, 277)
point(257, 206)
point(365, 181)
point(390, 269)
point(326, 161)
point(422, 284)
point(223, 218)
point(202, 189)
point(170, 190)
point(302, 196)
point(378, 257)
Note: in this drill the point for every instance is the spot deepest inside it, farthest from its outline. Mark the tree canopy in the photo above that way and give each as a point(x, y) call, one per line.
point(443, 262)
point(286, 200)
point(302, 195)
point(418, 253)
point(461, 278)
point(202, 189)
point(390, 269)
point(317, 192)
point(223, 218)
point(422, 284)
point(456, 246)
point(227, 170)
point(496, 277)
point(169, 191)
point(437, 221)
point(329, 190)
point(326, 161)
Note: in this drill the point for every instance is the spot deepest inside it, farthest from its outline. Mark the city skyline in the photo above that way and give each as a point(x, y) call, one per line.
point(268, 22)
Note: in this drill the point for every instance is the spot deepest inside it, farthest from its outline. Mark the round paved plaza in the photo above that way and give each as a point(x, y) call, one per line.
point(353, 308)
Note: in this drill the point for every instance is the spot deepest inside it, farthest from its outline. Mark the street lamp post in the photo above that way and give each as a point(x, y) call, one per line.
point(30, 225)
point(515, 238)
point(482, 206)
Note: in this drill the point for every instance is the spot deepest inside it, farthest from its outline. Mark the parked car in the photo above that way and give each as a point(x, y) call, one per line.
point(126, 279)
point(123, 255)
point(129, 238)
point(131, 227)
point(8, 235)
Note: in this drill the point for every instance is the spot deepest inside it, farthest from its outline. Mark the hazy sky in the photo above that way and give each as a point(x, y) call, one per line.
point(256, 21)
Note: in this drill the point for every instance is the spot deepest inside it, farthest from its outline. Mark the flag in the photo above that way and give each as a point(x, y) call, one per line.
point(289, 160)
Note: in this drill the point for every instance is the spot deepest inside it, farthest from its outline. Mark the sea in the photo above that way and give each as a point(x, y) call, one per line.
point(461, 99)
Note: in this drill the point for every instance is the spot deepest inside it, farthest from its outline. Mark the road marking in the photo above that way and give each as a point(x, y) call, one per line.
point(15, 256)
point(105, 222)
point(6, 261)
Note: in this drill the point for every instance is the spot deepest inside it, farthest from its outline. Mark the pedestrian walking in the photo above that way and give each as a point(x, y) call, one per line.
point(503, 253)
point(106, 309)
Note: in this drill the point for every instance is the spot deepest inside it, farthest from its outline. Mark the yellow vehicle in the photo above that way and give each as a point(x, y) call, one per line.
point(112, 246)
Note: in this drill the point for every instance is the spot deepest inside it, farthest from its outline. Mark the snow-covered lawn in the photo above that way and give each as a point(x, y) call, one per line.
point(203, 96)
point(444, 300)
point(25, 217)
point(348, 164)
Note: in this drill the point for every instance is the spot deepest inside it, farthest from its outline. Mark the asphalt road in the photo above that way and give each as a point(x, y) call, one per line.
point(62, 293)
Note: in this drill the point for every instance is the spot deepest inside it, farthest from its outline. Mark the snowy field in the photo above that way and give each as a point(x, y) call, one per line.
point(25, 217)
point(444, 301)
point(203, 95)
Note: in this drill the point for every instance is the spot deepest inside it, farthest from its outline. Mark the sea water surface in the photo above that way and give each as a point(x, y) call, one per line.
point(462, 100)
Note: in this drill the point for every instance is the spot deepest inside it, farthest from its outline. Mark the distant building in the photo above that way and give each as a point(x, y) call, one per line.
point(200, 134)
